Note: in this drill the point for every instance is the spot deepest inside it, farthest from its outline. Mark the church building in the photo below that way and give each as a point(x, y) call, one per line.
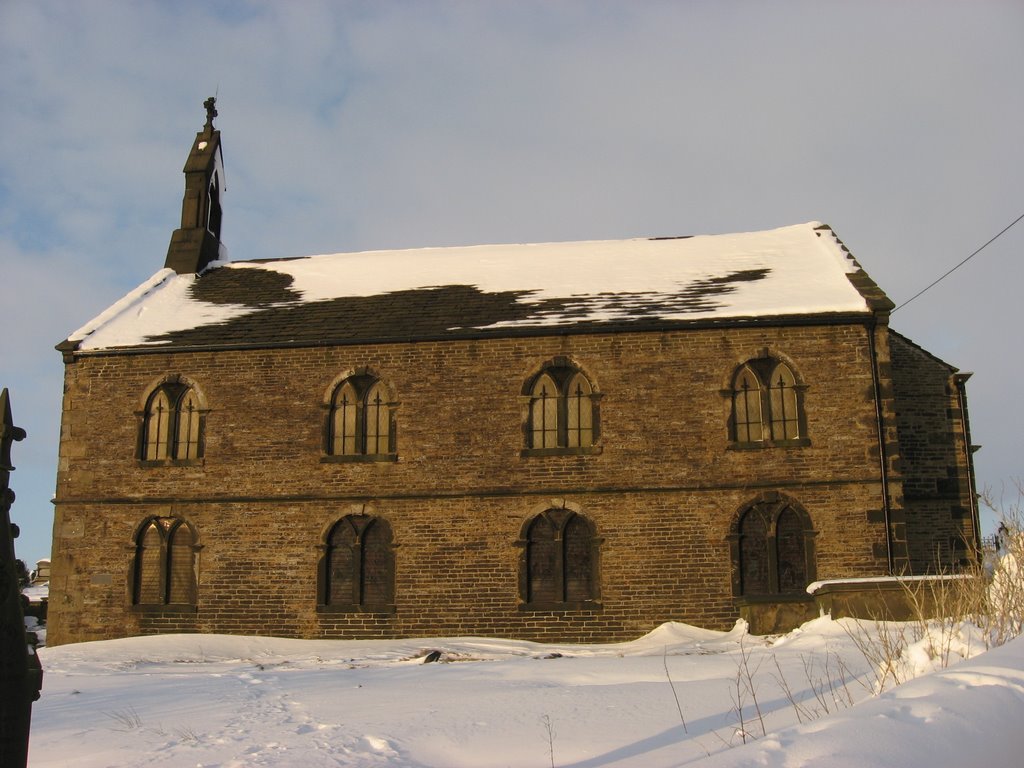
point(570, 442)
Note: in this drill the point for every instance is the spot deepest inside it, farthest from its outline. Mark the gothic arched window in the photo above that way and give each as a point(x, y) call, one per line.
point(172, 424)
point(164, 572)
point(357, 570)
point(560, 561)
point(562, 416)
point(360, 421)
point(767, 405)
point(772, 548)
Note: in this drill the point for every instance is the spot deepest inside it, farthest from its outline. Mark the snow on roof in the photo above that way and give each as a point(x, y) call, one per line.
point(488, 290)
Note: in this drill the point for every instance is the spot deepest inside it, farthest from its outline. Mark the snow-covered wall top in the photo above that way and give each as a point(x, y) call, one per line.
point(487, 290)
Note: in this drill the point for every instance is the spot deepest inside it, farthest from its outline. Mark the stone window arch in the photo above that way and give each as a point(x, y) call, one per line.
point(772, 548)
point(357, 567)
point(767, 404)
point(173, 423)
point(559, 565)
point(360, 419)
point(163, 571)
point(562, 413)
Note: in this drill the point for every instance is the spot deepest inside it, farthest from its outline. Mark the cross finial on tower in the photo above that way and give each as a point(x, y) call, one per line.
point(211, 111)
point(196, 243)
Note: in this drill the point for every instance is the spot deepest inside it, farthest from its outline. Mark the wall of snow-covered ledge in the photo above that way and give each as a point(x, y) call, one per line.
point(815, 586)
point(967, 714)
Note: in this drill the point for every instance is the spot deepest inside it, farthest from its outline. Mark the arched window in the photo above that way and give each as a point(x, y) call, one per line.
point(767, 405)
point(158, 426)
point(344, 434)
point(772, 548)
point(164, 572)
point(791, 556)
point(172, 424)
point(357, 571)
point(579, 412)
point(378, 420)
point(544, 413)
point(360, 422)
point(560, 561)
point(785, 418)
point(754, 565)
point(746, 407)
point(562, 416)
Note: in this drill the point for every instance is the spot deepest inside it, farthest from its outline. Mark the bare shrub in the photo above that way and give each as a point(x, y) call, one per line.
point(126, 719)
point(953, 615)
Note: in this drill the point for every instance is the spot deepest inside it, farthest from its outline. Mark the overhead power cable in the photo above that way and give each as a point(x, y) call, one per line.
point(954, 269)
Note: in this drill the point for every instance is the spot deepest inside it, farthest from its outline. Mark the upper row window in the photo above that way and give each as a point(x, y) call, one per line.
point(360, 418)
point(767, 404)
point(563, 414)
point(172, 424)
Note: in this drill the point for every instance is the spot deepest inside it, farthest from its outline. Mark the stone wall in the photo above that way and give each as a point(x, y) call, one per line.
point(662, 490)
point(937, 492)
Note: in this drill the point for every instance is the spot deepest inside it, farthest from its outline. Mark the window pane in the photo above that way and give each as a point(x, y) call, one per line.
point(377, 420)
point(754, 553)
point(158, 417)
point(746, 403)
point(377, 564)
point(181, 566)
point(341, 565)
point(544, 413)
point(187, 446)
point(784, 415)
point(147, 566)
point(540, 562)
point(343, 421)
point(580, 413)
point(792, 560)
point(579, 562)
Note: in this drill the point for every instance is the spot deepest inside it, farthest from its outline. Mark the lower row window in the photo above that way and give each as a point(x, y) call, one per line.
point(357, 571)
point(772, 549)
point(164, 572)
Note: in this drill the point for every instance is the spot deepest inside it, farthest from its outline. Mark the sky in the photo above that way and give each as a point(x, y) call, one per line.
point(398, 124)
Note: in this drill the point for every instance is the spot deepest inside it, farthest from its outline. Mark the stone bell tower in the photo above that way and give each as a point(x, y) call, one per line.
point(197, 242)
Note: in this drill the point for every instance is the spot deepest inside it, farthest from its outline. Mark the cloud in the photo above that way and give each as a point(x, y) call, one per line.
point(378, 125)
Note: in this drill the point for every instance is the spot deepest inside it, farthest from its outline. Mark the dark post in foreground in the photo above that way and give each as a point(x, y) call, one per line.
point(21, 676)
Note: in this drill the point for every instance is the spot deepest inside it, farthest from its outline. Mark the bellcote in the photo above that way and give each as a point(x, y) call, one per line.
point(197, 242)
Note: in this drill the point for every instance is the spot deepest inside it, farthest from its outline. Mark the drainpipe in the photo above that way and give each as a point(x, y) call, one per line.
point(882, 462)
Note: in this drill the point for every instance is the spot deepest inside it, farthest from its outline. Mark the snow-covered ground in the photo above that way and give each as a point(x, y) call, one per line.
point(676, 696)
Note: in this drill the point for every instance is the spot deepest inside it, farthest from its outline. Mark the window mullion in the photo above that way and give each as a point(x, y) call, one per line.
point(562, 421)
point(559, 565)
point(773, 564)
point(767, 422)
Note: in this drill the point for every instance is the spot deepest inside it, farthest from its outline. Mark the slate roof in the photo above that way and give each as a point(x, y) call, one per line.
point(793, 274)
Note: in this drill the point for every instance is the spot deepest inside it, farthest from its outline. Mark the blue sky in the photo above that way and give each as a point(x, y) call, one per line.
point(365, 125)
